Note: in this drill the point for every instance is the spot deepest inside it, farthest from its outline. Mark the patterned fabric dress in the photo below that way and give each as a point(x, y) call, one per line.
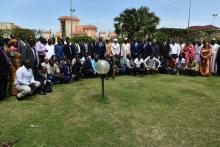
point(16, 63)
point(205, 62)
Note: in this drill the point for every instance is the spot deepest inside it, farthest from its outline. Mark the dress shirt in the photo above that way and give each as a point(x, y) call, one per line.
point(50, 49)
point(24, 76)
point(40, 48)
point(174, 49)
point(53, 69)
point(138, 62)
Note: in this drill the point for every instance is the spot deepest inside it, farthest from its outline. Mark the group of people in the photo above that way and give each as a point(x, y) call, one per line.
point(28, 66)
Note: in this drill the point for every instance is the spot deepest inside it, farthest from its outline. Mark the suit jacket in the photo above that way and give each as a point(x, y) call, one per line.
point(147, 50)
point(136, 50)
point(83, 49)
point(100, 50)
point(68, 51)
point(27, 53)
point(21, 46)
point(4, 69)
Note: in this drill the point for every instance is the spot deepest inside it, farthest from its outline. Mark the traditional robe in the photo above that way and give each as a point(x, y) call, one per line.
point(205, 61)
point(125, 50)
point(108, 48)
point(215, 49)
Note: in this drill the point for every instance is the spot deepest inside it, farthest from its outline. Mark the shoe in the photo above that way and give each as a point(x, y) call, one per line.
point(43, 93)
point(18, 98)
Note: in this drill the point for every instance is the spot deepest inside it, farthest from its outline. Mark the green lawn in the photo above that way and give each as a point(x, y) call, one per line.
point(154, 111)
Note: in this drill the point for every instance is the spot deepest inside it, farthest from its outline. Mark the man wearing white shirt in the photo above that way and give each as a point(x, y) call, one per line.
point(115, 47)
point(50, 49)
point(174, 49)
point(151, 64)
point(125, 48)
point(215, 48)
point(25, 82)
point(139, 64)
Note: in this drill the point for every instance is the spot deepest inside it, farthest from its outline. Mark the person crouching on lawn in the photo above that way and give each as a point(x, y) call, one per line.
point(25, 83)
point(192, 67)
point(139, 65)
point(54, 72)
point(46, 84)
point(151, 64)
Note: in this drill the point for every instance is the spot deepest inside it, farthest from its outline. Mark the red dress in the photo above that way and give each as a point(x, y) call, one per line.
point(189, 52)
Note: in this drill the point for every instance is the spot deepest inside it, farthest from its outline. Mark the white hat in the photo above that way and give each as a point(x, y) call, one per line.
point(115, 40)
point(125, 38)
point(107, 38)
point(214, 39)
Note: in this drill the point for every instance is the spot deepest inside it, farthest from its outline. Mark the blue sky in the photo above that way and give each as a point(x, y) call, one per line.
point(43, 14)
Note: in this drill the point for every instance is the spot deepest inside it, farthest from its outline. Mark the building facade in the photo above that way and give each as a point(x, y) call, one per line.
point(77, 29)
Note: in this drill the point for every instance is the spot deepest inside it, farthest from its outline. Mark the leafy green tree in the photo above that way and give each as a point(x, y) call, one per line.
point(136, 23)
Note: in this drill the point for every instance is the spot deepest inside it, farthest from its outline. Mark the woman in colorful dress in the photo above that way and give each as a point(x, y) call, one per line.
point(205, 60)
point(188, 52)
point(16, 63)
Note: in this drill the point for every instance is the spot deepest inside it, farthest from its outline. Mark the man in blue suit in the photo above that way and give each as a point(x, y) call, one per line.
point(147, 49)
point(100, 49)
point(136, 48)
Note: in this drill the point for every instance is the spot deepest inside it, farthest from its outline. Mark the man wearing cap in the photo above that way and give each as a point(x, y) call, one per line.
point(115, 47)
point(125, 48)
point(215, 48)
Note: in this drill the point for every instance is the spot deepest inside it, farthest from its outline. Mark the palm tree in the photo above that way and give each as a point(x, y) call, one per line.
point(136, 23)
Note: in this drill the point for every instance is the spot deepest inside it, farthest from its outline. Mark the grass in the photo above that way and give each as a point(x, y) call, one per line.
point(154, 111)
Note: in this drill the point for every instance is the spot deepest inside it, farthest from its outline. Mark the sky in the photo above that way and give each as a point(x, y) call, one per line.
point(43, 14)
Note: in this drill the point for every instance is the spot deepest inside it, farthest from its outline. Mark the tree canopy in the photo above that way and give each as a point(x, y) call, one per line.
point(136, 23)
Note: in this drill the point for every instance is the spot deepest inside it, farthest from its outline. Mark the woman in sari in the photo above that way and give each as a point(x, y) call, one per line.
point(205, 60)
point(16, 63)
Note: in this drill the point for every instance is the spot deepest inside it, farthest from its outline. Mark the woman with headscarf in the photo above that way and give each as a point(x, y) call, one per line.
point(205, 60)
point(16, 63)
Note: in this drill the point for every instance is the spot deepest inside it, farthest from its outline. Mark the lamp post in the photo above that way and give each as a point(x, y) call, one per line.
point(71, 15)
point(214, 16)
point(102, 68)
point(190, 3)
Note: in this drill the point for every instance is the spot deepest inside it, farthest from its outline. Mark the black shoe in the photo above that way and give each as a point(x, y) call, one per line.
point(18, 98)
point(43, 93)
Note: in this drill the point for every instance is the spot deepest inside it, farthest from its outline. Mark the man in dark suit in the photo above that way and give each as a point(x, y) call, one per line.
point(68, 50)
point(136, 48)
point(4, 70)
point(147, 49)
point(92, 49)
point(100, 49)
point(30, 53)
point(22, 44)
point(85, 48)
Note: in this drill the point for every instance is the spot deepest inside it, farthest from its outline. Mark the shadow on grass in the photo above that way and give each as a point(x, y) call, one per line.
point(102, 100)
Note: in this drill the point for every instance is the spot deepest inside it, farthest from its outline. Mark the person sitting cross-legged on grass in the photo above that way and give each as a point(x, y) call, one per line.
point(129, 64)
point(77, 69)
point(180, 65)
point(163, 69)
point(192, 67)
point(65, 70)
point(171, 63)
point(88, 71)
point(25, 82)
point(151, 64)
point(46, 84)
point(54, 72)
point(139, 65)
